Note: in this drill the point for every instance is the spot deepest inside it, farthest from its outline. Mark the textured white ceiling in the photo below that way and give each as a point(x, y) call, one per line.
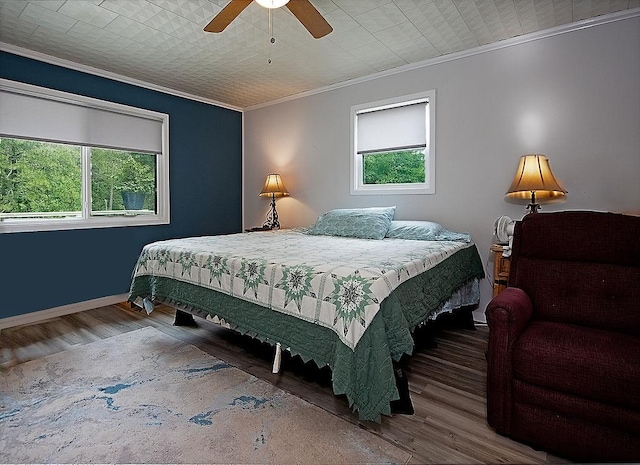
point(162, 41)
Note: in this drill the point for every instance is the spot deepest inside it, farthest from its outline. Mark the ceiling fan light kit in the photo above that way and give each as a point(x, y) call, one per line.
point(303, 10)
point(272, 3)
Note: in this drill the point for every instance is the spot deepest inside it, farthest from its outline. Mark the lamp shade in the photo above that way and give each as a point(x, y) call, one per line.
point(534, 175)
point(273, 187)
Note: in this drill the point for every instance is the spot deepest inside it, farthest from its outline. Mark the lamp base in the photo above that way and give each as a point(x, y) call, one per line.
point(533, 206)
point(272, 217)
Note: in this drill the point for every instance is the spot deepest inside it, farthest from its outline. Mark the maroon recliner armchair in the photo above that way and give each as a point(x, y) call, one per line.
point(563, 357)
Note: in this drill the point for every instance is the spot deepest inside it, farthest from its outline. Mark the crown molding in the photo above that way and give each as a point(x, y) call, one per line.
point(14, 49)
point(523, 39)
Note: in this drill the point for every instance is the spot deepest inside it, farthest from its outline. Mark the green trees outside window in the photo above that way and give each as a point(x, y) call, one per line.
point(397, 167)
point(115, 172)
point(46, 178)
point(39, 177)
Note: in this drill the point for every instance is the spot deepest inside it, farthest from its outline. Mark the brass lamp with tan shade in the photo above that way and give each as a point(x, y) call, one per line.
point(535, 181)
point(273, 187)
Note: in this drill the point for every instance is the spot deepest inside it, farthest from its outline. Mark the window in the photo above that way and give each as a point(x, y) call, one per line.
point(393, 146)
point(69, 162)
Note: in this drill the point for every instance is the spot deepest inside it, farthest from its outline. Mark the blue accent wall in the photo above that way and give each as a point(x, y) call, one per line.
point(43, 270)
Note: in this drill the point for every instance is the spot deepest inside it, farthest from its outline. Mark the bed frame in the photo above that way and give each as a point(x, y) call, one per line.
point(424, 338)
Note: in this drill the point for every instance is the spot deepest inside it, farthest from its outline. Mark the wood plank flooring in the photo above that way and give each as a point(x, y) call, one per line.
point(447, 383)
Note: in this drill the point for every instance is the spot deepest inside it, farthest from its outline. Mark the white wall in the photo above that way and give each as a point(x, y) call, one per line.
point(574, 97)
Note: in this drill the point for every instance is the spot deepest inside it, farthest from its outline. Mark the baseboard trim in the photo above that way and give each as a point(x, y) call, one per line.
point(36, 317)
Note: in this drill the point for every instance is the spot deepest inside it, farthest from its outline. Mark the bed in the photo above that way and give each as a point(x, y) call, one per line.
point(345, 302)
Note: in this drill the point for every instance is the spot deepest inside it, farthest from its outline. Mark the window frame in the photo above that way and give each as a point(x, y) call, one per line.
point(357, 186)
point(87, 220)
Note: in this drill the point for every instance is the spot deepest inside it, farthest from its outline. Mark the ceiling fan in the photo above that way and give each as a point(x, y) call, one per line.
point(306, 13)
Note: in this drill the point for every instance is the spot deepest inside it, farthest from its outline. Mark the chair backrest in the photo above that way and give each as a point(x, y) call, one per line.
point(580, 267)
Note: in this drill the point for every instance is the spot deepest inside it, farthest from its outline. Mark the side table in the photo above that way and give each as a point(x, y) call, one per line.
point(501, 268)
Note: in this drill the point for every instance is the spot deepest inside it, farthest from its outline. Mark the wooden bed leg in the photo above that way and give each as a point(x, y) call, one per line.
point(184, 319)
point(403, 405)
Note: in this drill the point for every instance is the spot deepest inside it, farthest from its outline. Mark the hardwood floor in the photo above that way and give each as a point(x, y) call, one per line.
point(447, 382)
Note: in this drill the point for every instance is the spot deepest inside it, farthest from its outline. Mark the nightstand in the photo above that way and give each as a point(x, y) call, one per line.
point(501, 268)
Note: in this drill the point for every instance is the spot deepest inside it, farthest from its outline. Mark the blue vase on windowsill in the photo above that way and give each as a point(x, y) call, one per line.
point(133, 200)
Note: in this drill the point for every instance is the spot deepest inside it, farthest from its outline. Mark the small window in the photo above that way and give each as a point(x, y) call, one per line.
point(393, 150)
point(70, 162)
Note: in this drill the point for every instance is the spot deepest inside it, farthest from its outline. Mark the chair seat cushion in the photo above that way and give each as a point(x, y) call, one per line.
point(600, 365)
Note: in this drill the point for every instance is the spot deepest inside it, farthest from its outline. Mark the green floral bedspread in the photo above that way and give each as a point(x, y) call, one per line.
point(340, 291)
point(338, 283)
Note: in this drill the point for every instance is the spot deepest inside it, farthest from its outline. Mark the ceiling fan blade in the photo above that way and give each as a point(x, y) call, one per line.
point(226, 15)
point(309, 17)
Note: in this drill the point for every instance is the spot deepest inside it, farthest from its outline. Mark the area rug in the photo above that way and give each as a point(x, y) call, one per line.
point(146, 397)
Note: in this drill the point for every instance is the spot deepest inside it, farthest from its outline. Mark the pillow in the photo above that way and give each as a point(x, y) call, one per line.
point(363, 223)
point(414, 230)
point(424, 231)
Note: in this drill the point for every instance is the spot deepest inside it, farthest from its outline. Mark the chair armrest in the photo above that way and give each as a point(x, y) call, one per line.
point(507, 316)
point(510, 311)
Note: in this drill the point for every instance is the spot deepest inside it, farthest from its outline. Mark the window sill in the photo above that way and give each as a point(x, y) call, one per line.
point(17, 225)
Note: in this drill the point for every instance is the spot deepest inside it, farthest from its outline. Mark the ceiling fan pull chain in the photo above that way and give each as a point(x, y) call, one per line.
point(272, 40)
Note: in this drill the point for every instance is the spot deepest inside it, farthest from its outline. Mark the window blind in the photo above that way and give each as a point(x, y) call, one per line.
point(36, 113)
point(392, 128)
